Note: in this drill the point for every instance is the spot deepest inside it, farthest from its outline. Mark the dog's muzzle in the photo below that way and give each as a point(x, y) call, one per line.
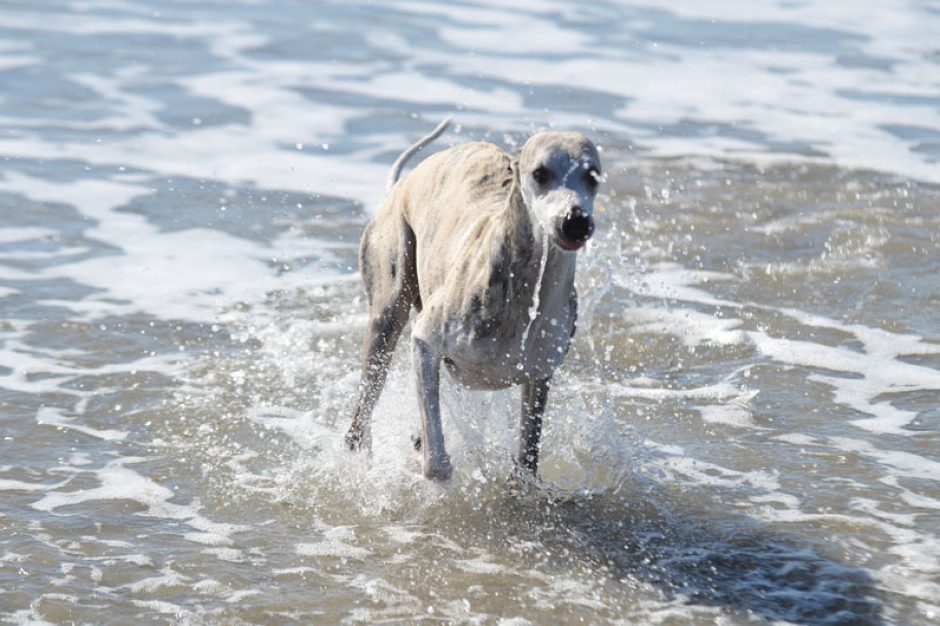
point(574, 229)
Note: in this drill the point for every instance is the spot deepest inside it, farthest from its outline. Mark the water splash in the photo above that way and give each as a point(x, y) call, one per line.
point(534, 308)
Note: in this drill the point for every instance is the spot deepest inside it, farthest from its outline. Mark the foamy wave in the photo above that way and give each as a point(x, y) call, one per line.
point(873, 372)
point(118, 482)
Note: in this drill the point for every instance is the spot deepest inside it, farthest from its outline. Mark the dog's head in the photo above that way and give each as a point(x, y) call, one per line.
point(559, 174)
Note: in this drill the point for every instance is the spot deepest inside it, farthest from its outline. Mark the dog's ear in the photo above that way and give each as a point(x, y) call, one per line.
point(514, 168)
point(514, 182)
point(514, 179)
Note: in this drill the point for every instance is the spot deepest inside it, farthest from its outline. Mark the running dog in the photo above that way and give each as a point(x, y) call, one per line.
point(483, 246)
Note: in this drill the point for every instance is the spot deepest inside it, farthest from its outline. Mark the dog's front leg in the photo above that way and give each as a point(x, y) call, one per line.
point(427, 363)
point(534, 397)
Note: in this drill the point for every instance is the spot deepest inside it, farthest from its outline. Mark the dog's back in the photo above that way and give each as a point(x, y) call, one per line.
point(450, 202)
point(478, 172)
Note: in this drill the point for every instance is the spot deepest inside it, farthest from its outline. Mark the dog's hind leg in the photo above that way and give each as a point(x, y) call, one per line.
point(387, 261)
point(534, 397)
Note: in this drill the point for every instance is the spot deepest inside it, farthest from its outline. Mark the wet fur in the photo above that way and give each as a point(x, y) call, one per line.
point(461, 239)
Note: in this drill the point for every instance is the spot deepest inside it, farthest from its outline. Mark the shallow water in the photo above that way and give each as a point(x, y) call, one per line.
point(746, 428)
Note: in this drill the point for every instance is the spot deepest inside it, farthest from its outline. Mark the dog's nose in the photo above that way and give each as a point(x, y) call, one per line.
point(577, 226)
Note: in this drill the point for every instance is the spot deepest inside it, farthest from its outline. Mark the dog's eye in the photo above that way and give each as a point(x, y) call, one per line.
point(592, 179)
point(541, 175)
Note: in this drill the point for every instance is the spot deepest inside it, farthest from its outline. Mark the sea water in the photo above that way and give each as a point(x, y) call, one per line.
point(745, 431)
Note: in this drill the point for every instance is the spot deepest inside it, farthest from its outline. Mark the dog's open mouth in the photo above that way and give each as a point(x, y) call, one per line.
point(574, 229)
point(571, 246)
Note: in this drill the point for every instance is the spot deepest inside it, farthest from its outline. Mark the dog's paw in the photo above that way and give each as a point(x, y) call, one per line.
point(439, 469)
point(522, 480)
point(354, 439)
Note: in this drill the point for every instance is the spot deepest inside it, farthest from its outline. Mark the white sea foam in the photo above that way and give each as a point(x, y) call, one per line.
point(663, 83)
point(232, 555)
point(693, 328)
point(877, 369)
point(332, 547)
point(786, 96)
point(689, 469)
point(24, 361)
point(864, 103)
point(17, 61)
point(402, 535)
point(98, 24)
point(28, 617)
point(734, 413)
point(542, 36)
point(166, 578)
point(24, 234)
point(479, 565)
point(7, 484)
point(118, 482)
point(901, 462)
point(879, 375)
point(51, 416)
point(189, 274)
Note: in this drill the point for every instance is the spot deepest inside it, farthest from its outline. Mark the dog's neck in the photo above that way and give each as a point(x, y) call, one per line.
point(526, 277)
point(532, 251)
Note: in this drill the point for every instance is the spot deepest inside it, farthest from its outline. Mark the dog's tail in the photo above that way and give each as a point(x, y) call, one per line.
point(410, 152)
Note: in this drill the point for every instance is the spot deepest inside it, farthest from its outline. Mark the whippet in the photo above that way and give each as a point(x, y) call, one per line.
point(483, 246)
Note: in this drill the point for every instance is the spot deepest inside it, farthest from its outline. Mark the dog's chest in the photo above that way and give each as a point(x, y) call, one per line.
point(508, 345)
